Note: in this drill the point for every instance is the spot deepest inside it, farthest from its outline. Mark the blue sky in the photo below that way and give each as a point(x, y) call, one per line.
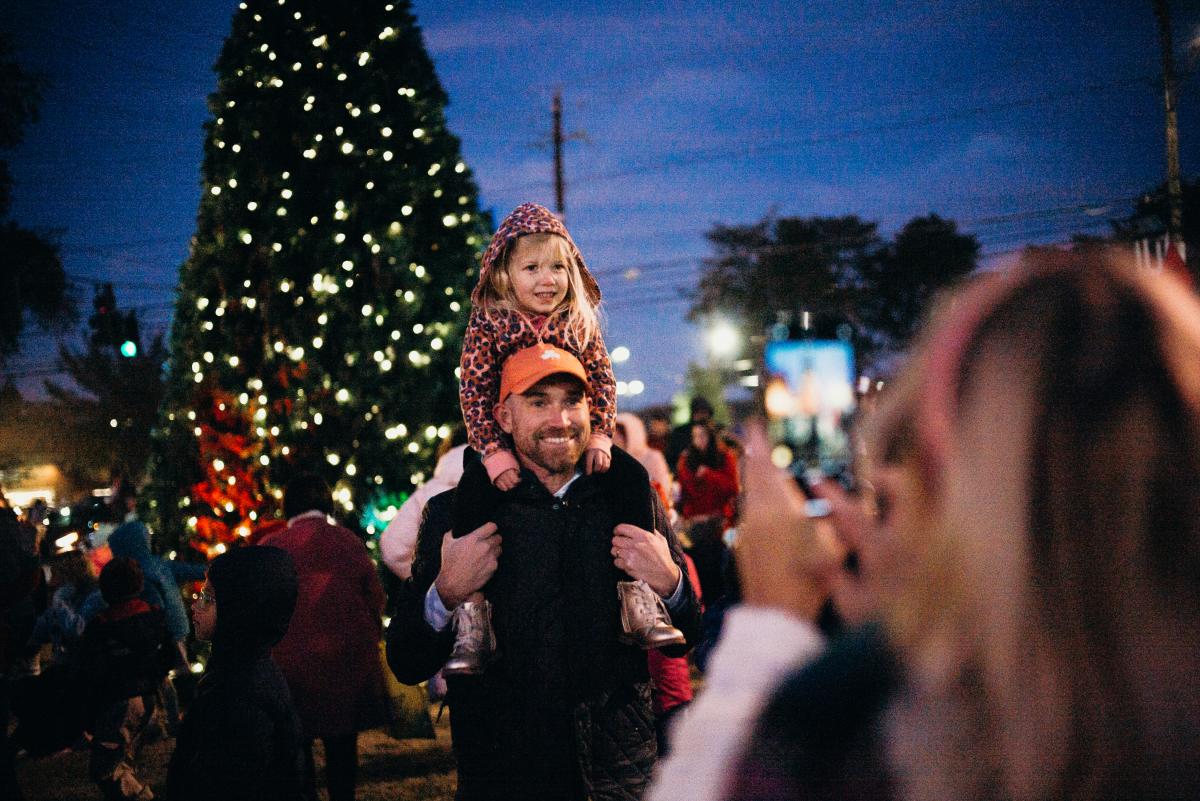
point(1047, 115)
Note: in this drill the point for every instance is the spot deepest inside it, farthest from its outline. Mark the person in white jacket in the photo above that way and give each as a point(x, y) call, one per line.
point(631, 435)
point(399, 540)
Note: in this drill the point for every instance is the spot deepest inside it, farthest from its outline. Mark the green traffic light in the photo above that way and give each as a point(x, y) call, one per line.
point(129, 349)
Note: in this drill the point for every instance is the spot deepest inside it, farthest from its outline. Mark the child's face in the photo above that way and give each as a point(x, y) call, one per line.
point(539, 273)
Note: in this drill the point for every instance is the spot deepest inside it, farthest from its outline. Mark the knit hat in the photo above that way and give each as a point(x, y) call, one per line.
point(531, 218)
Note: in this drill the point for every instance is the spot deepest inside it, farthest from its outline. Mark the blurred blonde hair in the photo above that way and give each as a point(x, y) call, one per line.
point(1047, 615)
point(582, 318)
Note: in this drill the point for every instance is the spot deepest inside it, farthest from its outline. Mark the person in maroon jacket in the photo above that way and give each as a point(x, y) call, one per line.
point(330, 654)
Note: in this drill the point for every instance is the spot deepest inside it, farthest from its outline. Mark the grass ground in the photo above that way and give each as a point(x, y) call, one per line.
point(395, 770)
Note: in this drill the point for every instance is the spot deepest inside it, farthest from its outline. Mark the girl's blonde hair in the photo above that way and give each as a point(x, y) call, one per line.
point(580, 317)
point(1046, 610)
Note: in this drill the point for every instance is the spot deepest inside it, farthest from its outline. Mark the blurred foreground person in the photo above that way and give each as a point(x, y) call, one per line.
point(1030, 546)
point(241, 738)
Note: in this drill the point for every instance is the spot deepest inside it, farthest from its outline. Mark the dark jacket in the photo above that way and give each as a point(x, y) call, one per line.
point(162, 576)
point(564, 710)
point(126, 651)
point(820, 735)
point(241, 736)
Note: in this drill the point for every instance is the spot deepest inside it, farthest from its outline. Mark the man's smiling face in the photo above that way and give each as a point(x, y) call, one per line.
point(549, 424)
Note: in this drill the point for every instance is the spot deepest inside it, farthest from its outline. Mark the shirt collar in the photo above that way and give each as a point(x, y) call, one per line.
point(563, 489)
point(310, 514)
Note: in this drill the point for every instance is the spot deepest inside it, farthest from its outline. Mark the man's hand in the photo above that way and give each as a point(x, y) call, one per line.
point(645, 555)
point(785, 561)
point(467, 564)
point(508, 479)
point(596, 461)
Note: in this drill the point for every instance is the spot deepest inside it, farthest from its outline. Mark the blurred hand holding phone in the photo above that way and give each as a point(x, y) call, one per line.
point(808, 396)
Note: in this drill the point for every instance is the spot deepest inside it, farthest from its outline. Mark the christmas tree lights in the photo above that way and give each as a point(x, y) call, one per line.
point(320, 311)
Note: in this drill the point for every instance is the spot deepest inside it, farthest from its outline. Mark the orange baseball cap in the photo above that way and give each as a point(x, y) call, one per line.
point(527, 367)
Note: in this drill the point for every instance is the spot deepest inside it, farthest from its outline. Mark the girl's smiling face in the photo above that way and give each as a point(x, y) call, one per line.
point(539, 272)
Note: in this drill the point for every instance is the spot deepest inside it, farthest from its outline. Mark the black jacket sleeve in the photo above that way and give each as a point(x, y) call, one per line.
point(414, 650)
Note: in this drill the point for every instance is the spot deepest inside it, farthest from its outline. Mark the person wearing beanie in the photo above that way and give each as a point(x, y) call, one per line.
point(240, 740)
point(125, 654)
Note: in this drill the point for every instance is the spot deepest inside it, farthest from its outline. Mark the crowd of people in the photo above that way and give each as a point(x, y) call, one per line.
point(1002, 605)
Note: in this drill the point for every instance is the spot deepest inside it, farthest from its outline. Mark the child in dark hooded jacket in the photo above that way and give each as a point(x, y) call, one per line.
point(125, 654)
point(241, 737)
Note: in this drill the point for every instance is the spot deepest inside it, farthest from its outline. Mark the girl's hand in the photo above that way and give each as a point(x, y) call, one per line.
point(507, 480)
point(596, 461)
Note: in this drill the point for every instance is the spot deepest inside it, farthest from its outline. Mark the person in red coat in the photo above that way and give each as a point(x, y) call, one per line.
point(708, 476)
point(330, 654)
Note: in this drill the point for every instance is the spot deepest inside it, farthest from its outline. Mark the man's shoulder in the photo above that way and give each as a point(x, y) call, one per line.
point(441, 503)
point(438, 515)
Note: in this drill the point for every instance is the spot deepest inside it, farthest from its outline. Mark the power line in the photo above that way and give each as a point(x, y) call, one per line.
point(755, 150)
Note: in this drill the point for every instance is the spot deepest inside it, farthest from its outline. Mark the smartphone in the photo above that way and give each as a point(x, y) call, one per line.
point(807, 391)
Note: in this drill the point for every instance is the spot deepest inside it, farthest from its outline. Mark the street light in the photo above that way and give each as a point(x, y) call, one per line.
point(724, 340)
point(619, 354)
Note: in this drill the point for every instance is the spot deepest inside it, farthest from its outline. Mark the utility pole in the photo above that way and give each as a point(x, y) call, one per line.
point(1174, 187)
point(557, 140)
point(556, 109)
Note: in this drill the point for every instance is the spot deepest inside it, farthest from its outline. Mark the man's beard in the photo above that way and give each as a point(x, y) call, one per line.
point(556, 459)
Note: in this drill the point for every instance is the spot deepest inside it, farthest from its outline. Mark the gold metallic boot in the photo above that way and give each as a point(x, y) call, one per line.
point(474, 639)
point(644, 618)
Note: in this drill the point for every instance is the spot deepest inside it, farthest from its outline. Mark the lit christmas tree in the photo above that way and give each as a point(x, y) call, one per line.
point(319, 316)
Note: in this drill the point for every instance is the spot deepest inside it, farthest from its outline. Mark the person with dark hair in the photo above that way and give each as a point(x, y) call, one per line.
point(708, 477)
point(240, 739)
point(309, 494)
point(125, 654)
point(330, 653)
point(700, 412)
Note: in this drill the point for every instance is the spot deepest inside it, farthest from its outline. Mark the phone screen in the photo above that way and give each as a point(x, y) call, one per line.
point(808, 395)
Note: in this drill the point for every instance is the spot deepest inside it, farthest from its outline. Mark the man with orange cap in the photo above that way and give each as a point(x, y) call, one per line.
point(564, 710)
